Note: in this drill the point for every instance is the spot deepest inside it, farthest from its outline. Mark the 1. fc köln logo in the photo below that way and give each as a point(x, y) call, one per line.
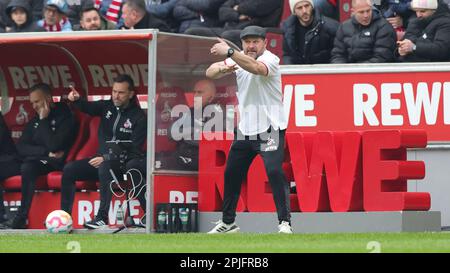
point(127, 124)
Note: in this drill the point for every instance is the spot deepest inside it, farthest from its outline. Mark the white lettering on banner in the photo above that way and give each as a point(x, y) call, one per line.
point(103, 75)
point(178, 197)
point(363, 108)
point(85, 210)
point(301, 104)
point(446, 102)
point(414, 103)
point(27, 76)
point(190, 196)
point(431, 107)
point(388, 104)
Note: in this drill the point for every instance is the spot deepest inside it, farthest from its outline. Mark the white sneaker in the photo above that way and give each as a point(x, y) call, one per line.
point(285, 228)
point(221, 227)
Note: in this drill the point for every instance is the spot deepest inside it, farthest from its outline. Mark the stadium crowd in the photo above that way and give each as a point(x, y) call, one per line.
point(378, 31)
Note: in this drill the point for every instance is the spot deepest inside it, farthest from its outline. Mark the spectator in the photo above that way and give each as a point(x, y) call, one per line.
point(135, 16)
point(197, 13)
point(164, 10)
point(91, 19)
point(327, 8)
point(42, 147)
point(19, 12)
point(205, 102)
point(122, 119)
point(308, 36)
point(427, 38)
point(55, 18)
point(238, 14)
point(36, 8)
point(364, 38)
point(397, 13)
point(9, 161)
point(74, 8)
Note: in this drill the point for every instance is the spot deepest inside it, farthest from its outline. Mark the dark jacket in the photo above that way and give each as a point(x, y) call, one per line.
point(355, 43)
point(52, 134)
point(164, 10)
point(197, 13)
point(36, 8)
point(318, 39)
point(151, 21)
point(187, 152)
point(30, 25)
point(129, 123)
point(265, 13)
point(8, 150)
point(431, 37)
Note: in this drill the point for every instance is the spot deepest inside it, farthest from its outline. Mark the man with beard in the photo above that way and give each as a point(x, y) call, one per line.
point(122, 119)
point(427, 38)
point(262, 123)
point(364, 38)
point(308, 36)
point(90, 19)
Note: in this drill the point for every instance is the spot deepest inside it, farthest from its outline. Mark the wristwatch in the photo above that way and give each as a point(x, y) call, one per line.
point(414, 48)
point(230, 52)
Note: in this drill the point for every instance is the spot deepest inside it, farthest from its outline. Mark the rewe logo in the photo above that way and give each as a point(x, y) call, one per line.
point(87, 209)
point(333, 171)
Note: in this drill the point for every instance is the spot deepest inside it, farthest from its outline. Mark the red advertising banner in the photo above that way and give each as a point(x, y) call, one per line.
point(369, 101)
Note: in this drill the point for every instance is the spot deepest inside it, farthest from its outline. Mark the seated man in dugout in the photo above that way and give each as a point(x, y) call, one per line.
point(206, 115)
point(122, 121)
point(43, 146)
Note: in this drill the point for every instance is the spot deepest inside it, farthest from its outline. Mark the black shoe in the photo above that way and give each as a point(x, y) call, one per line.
point(96, 223)
point(17, 222)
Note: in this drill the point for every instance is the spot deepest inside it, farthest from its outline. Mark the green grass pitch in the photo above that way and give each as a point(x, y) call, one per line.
point(226, 243)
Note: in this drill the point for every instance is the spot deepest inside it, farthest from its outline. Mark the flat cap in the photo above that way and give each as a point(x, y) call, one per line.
point(254, 31)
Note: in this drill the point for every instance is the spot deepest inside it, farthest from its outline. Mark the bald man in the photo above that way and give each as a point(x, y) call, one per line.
point(188, 128)
point(364, 38)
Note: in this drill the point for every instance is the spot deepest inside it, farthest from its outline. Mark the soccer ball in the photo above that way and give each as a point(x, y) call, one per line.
point(58, 221)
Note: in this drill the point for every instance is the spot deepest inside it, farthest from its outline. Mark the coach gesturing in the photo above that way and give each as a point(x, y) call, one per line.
point(262, 123)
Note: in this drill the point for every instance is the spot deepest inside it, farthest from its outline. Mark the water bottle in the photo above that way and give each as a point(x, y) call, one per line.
point(184, 215)
point(119, 216)
point(162, 216)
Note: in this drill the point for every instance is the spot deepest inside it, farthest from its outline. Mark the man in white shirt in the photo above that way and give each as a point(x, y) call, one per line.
point(262, 124)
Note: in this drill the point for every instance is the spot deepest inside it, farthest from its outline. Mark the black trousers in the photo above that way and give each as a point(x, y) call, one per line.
point(241, 155)
point(82, 170)
point(7, 169)
point(30, 171)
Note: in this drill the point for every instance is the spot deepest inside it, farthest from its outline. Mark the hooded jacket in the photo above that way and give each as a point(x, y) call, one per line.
point(318, 39)
point(431, 36)
point(355, 43)
point(30, 25)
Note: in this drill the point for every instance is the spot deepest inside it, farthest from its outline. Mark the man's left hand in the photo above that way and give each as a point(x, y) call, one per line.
point(405, 47)
point(220, 49)
point(44, 111)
